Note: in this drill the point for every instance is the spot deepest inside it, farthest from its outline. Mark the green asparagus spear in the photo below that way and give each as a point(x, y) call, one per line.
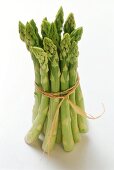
point(59, 25)
point(76, 35)
point(50, 138)
point(37, 126)
point(32, 39)
point(67, 136)
point(37, 71)
point(82, 122)
point(70, 24)
point(73, 55)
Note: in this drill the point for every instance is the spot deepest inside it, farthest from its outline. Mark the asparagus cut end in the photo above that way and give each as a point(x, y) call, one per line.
point(82, 124)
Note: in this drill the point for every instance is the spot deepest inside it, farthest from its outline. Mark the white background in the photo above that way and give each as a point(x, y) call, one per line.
point(96, 67)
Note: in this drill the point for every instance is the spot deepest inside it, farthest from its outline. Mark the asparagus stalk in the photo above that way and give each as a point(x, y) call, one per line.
point(82, 121)
point(73, 53)
point(67, 136)
point(70, 24)
point(50, 138)
point(37, 126)
point(37, 96)
point(32, 39)
point(55, 36)
point(59, 25)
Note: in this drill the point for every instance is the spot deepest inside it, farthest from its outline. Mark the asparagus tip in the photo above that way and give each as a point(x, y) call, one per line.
point(70, 24)
point(21, 27)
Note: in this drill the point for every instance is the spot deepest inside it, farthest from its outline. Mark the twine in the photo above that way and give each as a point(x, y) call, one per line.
point(64, 95)
point(59, 95)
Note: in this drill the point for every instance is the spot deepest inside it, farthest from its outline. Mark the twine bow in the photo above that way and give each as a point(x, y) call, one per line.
point(64, 95)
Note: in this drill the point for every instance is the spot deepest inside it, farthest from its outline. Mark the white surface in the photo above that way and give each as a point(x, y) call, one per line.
point(96, 67)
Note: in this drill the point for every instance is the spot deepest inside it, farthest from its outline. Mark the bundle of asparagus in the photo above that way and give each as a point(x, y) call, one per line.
point(55, 59)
